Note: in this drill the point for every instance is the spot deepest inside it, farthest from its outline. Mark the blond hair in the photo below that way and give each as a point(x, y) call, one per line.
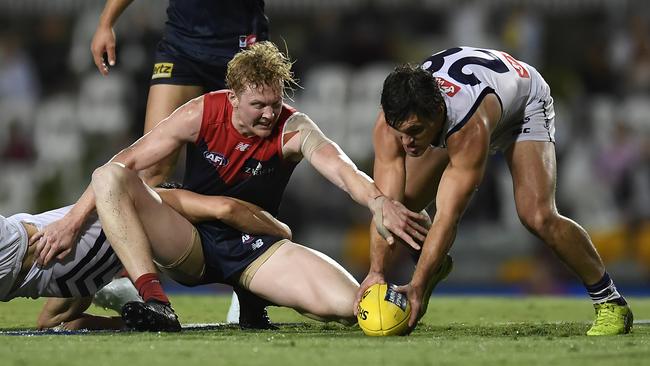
point(260, 65)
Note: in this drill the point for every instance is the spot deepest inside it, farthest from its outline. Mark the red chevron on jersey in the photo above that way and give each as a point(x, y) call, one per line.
point(234, 156)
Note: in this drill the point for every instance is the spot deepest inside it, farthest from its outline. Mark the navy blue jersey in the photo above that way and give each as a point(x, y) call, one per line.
point(214, 30)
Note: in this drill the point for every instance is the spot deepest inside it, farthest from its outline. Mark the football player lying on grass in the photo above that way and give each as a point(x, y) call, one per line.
point(73, 278)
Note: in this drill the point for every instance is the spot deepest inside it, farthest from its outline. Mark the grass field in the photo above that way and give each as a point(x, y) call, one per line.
point(456, 331)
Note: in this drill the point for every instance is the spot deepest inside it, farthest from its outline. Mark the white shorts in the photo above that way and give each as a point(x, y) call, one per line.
point(539, 117)
point(13, 246)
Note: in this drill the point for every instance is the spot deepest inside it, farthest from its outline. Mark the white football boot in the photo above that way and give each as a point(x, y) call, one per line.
point(116, 293)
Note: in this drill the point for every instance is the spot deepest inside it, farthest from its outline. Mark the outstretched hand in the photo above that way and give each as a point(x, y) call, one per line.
point(56, 240)
point(392, 217)
point(103, 42)
point(371, 279)
point(414, 297)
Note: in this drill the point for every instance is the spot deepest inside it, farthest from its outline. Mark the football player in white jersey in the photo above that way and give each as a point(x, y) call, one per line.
point(71, 281)
point(438, 123)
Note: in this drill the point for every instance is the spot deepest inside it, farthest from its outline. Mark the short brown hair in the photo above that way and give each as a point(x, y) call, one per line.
point(410, 91)
point(260, 65)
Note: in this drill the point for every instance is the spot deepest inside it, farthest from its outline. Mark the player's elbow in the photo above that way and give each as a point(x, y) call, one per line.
point(285, 231)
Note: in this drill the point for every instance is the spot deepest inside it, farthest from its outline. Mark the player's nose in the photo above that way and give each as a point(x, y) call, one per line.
point(268, 113)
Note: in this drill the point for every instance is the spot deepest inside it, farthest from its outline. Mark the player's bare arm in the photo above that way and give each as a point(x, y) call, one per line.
point(104, 38)
point(390, 177)
point(468, 151)
point(304, 138)
point(182, 126)
point(241, 215)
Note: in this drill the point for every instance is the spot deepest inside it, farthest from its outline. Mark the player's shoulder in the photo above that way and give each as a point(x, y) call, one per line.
point(216, 106)
point(216, 96)
point(287, 111)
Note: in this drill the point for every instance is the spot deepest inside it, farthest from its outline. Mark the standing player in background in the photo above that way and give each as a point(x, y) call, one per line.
point(432, 138)
point(199, 39)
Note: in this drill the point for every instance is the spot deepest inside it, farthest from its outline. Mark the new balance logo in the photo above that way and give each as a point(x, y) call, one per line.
point(242, 146)
point(257, 244)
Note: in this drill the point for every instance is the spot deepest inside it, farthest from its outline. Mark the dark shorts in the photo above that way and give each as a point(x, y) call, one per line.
point(171, 66)
point(228, 252)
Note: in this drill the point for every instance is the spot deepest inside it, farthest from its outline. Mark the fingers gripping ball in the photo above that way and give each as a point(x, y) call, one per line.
point(383, 311)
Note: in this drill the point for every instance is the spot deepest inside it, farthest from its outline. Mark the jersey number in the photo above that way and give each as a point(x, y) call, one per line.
point(493, 63)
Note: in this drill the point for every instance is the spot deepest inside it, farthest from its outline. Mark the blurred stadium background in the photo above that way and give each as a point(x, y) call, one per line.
point(59, 118)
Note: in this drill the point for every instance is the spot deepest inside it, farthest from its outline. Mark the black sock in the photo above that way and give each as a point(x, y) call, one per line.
point(605, 291)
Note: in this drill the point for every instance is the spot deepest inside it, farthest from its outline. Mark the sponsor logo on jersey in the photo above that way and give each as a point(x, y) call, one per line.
point(447, 87)
point(255, 167)
point(242, 146)
point(162, 70)
point(520, 69)
point(247, 40)
point(215, 158)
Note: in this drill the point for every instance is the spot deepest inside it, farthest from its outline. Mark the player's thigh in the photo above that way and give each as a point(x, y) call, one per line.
point(169, 233)
point(422, 177)
point(163, 99)
point(533, 168)
point(302, 278)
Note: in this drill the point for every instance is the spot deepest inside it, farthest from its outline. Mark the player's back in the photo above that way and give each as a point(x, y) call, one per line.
point(90, 266)
point(467, 74)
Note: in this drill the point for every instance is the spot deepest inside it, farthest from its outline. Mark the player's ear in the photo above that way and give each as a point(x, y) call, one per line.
point(233, 99)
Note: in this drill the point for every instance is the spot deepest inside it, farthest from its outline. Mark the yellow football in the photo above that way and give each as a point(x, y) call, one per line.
point(383, 311)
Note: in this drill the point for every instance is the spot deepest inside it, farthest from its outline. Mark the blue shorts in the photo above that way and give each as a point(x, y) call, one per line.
point(171, 66)
point(228, 252)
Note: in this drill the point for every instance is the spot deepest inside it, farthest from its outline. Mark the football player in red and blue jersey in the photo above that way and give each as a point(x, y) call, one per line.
point(250, 141)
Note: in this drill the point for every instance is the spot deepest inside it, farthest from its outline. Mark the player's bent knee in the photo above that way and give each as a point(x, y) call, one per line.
point(110, 175)
point(539, 221)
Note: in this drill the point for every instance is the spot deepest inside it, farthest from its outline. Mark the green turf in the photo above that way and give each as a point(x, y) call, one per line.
point(456, 331)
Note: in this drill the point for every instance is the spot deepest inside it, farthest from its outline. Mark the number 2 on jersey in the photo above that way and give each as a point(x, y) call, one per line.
point(435, 63)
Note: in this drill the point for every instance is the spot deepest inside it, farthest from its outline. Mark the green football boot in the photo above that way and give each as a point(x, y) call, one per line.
point(442, 273)
point(611, 319)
